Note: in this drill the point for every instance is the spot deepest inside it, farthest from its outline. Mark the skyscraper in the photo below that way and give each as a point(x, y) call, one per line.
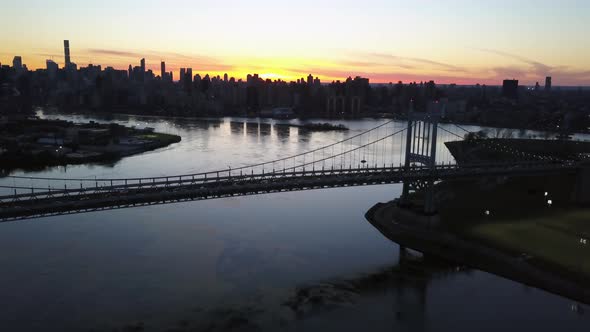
point(189, 75)
point(548, 83)
point(162, 69)
point(67, 53)
point(510, 89)
point(17, 62)
point(142, 70)
point(225, 77)
point(309, 80)
point(52, 68)
point(188, 81)
point(181, 74)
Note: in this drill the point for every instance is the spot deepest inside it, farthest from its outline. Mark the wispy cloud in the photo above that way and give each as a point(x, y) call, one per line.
point(173, 60)
point(539, 68)
point(116, 53)
point(508, 72)
point(396, 58)
point(49, 55)
point(535, 70)
point(374, 64)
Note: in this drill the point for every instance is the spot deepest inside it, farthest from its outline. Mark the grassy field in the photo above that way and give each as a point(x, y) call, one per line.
point(514, 216)
point(552, 240)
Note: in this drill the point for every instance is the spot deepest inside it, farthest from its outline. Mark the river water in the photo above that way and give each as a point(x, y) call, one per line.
point(234, 263)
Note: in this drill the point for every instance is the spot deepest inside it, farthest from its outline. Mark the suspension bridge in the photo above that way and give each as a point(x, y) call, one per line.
point(413, 154)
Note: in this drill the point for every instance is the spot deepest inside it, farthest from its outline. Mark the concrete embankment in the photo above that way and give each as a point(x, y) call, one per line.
point(411, 230)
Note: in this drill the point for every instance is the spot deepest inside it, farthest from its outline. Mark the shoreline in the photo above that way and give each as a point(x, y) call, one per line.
point(99, 157)
point(402, 227)
point(398, 117)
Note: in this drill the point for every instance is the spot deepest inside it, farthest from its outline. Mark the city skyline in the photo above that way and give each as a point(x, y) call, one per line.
point(384, 41)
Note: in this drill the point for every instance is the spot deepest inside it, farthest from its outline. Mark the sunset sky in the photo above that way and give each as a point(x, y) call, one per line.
point(450, 41)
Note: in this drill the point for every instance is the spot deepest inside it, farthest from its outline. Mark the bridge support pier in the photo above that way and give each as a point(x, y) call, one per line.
point(421, 147)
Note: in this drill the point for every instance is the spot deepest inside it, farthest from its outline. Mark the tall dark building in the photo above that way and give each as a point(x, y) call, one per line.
point(142, 69)
point(309, 80)
point(67, 53)
point(52, 68)
point(17, 62)
point(510, 89)
point(548, 83)
point(162, 69)
point(181, 74)
point(188, 81)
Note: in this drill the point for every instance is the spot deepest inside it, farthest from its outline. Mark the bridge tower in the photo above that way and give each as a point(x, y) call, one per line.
point(421, 151)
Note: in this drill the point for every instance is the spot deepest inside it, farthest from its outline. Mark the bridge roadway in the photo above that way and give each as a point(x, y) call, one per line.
point(141, 192)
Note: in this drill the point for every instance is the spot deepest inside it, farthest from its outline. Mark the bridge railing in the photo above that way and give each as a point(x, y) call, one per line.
point(201, 182)
point(381, 147)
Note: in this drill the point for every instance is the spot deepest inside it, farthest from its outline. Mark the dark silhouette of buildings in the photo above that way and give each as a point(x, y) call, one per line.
point(548, 83)
point(510, 89)
point(67, 53)
point(136, 90)
point(142, 68)
point(52, 69)
point(182, 73)
point(17, 63)
point(346, 99)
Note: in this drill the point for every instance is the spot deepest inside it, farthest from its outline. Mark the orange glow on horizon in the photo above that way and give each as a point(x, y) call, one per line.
point(378, 68)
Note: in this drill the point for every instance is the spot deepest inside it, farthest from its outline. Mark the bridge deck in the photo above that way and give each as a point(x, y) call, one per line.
point(164, 190)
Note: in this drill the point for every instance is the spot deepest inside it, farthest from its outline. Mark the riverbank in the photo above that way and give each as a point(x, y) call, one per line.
point(400, 226)
point(34, 144)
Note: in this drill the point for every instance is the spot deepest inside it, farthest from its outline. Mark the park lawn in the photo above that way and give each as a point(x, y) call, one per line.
point(521, 221)
point(551, 240)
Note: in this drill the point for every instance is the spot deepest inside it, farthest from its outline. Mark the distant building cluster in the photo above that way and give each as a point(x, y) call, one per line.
point(138, 89)
point(141, 91)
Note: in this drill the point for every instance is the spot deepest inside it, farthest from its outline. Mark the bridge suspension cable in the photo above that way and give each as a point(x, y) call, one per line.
point(352, 152)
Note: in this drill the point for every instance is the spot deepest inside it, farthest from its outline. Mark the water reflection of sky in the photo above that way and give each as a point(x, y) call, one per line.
point(160, 264)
